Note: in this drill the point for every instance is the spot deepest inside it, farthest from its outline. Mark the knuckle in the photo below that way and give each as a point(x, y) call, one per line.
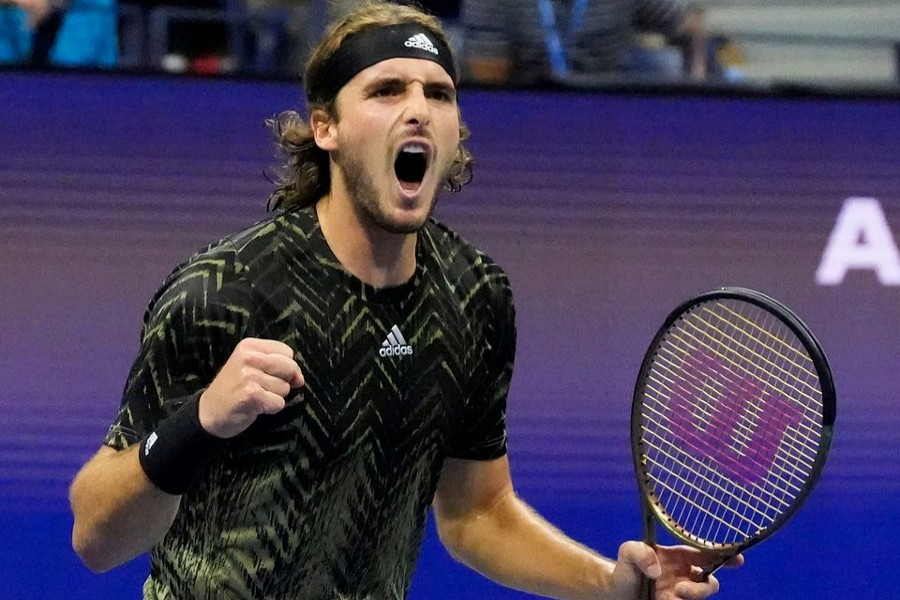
point(250, 358)
point(250, 390)
point(281, 388)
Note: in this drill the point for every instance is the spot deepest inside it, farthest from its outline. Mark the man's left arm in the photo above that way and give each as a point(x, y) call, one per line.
point(486, 526)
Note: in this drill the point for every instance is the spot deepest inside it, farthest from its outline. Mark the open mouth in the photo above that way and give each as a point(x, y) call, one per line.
point(411, 165)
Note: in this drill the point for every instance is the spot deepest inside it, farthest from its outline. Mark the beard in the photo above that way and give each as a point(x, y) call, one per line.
point(366, 201)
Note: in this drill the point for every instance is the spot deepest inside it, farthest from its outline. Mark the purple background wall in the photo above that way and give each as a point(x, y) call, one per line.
point(605, 209)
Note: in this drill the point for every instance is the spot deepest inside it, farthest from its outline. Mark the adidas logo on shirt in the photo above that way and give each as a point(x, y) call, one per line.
point(395, 344)
point(421, 42)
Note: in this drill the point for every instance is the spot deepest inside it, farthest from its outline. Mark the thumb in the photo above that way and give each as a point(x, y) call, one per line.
point(641, 558)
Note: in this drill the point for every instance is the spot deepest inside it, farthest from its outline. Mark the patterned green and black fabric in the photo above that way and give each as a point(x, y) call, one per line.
point(328, 498)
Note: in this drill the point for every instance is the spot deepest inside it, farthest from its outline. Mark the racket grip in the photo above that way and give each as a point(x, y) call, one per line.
point(710, 569)
point(648, 588)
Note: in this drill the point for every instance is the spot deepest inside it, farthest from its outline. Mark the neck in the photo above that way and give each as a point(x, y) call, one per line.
point(371, 254)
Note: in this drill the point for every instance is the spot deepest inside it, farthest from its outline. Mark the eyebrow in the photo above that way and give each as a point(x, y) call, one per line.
point(399, 82)
point(448, 89)
point(385, 81)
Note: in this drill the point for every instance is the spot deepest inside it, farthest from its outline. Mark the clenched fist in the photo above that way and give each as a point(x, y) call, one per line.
point(255, 380)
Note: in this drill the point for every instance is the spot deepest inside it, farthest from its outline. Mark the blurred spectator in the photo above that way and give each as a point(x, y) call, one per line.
point(283, 31)
point(196, 36)
point(443, 9)
point(448, 12)
point(528, 42)
point(44, 32)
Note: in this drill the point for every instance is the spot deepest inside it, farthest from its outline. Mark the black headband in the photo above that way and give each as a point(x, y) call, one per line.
point(373, 45)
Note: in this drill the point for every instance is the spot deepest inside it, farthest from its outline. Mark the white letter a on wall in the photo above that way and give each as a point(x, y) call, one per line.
point(861, 239)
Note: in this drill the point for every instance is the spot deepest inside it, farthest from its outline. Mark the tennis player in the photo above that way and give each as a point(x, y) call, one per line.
point(308, 388)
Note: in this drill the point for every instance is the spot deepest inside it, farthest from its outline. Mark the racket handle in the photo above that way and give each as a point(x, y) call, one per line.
point(710, 569)
point(648, 586)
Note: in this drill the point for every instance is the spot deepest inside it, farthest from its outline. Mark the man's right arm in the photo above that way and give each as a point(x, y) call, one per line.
point(119, 513)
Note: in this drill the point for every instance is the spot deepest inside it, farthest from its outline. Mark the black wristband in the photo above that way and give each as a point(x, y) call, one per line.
point(173, 455)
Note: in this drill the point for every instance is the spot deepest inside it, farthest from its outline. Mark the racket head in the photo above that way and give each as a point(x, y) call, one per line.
point(732, 419)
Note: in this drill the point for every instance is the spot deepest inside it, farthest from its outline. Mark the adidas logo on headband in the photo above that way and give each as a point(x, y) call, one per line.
point(371, 45)
point(421, 42)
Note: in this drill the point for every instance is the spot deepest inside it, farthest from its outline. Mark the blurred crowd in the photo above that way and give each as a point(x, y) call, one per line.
point(500, 42)
point(48, 32)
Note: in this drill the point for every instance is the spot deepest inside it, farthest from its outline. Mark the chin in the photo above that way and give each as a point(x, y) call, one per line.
point(412, 212)
point(406, 224)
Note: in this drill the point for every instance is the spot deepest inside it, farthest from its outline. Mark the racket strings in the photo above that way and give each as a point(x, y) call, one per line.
point(705, 408)
point(727, 395)
point(792, 362)
point(770, 374)
point(799, 359)
point(715, 488)
point(705, 405)
point(702, 490)
point(776, 373)
point(762, 368)
point(662, 441)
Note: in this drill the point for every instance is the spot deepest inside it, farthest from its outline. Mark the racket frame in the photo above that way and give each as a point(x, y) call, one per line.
point(651, 511)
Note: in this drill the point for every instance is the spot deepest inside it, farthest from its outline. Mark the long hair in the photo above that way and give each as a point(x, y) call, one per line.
point(304, 175)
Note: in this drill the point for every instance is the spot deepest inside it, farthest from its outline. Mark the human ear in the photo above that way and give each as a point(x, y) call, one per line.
point(323, 129)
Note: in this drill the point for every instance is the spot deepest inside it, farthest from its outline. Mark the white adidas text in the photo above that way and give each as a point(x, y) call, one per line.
point(421, 42)
point(395, 344)
point(395, 351)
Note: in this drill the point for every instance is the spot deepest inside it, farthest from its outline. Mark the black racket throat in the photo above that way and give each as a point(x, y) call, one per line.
point(731, 422)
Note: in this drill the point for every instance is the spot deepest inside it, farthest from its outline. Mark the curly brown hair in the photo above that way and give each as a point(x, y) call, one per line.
point(304, 176)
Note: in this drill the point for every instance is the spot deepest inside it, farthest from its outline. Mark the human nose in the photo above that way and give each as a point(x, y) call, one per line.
point(418, 111)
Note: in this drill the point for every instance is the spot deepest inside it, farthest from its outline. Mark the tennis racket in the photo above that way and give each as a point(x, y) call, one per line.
point(731, 422)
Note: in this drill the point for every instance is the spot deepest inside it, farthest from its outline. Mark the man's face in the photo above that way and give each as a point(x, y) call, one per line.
point(394, 140)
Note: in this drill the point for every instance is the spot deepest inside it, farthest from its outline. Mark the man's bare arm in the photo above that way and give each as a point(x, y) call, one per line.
point(119, 513)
